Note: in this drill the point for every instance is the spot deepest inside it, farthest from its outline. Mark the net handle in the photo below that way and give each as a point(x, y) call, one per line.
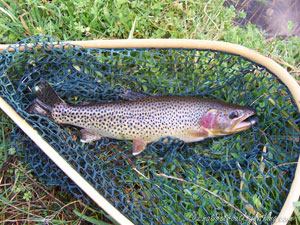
point(252, 55)
point(63, 165)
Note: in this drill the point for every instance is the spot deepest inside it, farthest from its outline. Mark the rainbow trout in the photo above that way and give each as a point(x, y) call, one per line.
point(146, 119)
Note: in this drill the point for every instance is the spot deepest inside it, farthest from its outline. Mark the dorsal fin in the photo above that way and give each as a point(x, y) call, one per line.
point(132, 95)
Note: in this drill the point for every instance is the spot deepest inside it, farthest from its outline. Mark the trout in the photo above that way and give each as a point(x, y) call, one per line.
point(144, 119)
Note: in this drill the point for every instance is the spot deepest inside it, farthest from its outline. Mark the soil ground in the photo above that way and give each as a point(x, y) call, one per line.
point(276, 17)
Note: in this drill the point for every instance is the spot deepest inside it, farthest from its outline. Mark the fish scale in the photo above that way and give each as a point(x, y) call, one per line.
point(146, 119)
point(150, 118)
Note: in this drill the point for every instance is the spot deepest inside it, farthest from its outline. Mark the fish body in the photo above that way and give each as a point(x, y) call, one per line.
point(146, 119)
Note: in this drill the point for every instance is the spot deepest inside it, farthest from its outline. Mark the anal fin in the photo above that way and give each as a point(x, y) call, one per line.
point(89, 135)
point(138, 146)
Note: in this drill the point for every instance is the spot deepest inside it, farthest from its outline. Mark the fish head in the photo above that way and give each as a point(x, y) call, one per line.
point(227, 120)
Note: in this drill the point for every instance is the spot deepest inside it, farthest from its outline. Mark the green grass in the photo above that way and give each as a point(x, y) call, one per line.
point(22, 198)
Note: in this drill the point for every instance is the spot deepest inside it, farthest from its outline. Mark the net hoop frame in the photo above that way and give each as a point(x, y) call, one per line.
point(236, 49)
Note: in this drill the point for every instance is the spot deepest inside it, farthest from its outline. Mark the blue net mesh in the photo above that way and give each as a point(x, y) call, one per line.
point(232, 178)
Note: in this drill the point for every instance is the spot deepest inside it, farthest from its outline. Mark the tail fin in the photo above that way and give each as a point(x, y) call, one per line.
point(46, 99)
point(47, 95)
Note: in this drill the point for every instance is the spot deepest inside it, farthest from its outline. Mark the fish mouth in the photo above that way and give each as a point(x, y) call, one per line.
point(241, 124)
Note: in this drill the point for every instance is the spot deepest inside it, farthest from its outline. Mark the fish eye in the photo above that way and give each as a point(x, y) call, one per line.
point(233, 114)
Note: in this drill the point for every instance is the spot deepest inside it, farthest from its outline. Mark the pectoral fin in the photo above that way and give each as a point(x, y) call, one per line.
point(138, 146)
point(198, 133)
point(88, 135)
